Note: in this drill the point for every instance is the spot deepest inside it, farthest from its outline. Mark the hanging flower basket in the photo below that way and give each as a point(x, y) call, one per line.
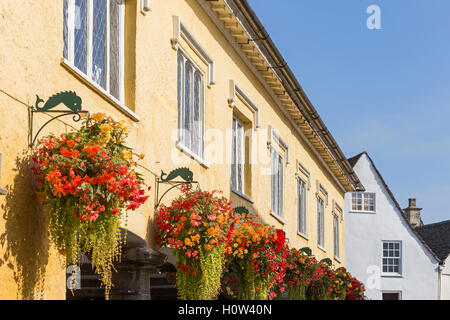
point(196, 226)
point(87, 181)
point(256, 258)
point(299, 271)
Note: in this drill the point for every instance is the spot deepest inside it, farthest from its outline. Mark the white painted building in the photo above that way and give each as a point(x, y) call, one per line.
point(437, 237)
point(383, 249)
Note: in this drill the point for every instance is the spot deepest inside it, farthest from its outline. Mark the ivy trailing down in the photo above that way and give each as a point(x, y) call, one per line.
point(87, 181)
point(196, 226)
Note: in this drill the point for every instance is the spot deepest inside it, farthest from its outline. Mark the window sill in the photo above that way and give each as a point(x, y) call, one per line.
point(243, 196)
point(280, 219)
point(387, 275)
point(192, 155)
point(105, 95)
point(362, 212)
point(321, 248)
point(3, 192)
point(338, 259)
point(303, 236)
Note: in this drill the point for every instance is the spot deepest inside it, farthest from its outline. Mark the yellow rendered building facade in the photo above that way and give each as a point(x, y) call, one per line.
point(154, 49)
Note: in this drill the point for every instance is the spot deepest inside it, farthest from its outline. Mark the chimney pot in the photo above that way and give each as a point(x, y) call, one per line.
point(412, 214)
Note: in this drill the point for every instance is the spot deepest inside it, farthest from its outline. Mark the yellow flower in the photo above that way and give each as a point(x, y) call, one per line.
point(108, 137)
point(195, 238)
point(105, 128)
point(188, 242)
point(127, 155)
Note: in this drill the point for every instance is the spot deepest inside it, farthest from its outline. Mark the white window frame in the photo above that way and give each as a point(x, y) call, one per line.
point(181, 31)
point(336, 236)
point(69, 61)
point(400, 259)
point(235, 151)
point(274, 136)
point(363, 202)
point(237, 92)
point(180, 143)
point(301, 210)
point(320, 223)
point(277, 212)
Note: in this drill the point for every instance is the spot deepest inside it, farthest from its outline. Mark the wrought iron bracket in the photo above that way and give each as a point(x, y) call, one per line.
point(184, 173)
point(241, 210)
point(68, 98)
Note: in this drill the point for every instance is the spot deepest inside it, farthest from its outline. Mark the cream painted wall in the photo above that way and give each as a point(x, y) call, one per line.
point(30, 63)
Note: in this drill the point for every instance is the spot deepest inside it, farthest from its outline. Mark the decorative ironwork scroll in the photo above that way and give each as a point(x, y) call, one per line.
point(186, 175)
point(67, 98)
point(306, 250)
point(327, 261)
point(241, 210)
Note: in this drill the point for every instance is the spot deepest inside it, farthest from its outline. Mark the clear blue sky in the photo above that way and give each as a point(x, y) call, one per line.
point(383, 91)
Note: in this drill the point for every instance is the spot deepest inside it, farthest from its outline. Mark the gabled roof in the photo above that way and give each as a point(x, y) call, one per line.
point(437, 236)
point(353, 161)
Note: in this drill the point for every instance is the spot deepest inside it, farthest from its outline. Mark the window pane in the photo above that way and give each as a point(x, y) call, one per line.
point(233, 156)
point(99, 43)
point(114, 50)
point(80, 47)
point(187, 104)
point(336, 235)
point(320, 230)
point(273, 180)
point(301, 206)
point(196, 135)
point(240, 157)
point(180, 86)
point(65, 29)
point(280, 185)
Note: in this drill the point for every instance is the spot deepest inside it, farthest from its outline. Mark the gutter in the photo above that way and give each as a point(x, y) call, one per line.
point(293, 88)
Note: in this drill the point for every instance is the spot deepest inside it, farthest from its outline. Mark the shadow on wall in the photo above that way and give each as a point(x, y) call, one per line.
point(25, 240)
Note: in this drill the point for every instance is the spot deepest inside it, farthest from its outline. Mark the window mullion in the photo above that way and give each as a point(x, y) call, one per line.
point(71, 31)
point(108, 47)
point(182, 106)
point(122, 52)
point(89, 40)
point(191, 106)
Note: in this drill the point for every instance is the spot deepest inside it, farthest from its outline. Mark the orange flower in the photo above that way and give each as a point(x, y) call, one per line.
point(98, 116)
point(212, 231)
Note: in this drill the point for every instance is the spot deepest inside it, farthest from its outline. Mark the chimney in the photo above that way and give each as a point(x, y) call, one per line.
point(412, 214)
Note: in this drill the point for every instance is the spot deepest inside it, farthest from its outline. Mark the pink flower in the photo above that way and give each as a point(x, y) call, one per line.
point(212, 217)
point(195, 223)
